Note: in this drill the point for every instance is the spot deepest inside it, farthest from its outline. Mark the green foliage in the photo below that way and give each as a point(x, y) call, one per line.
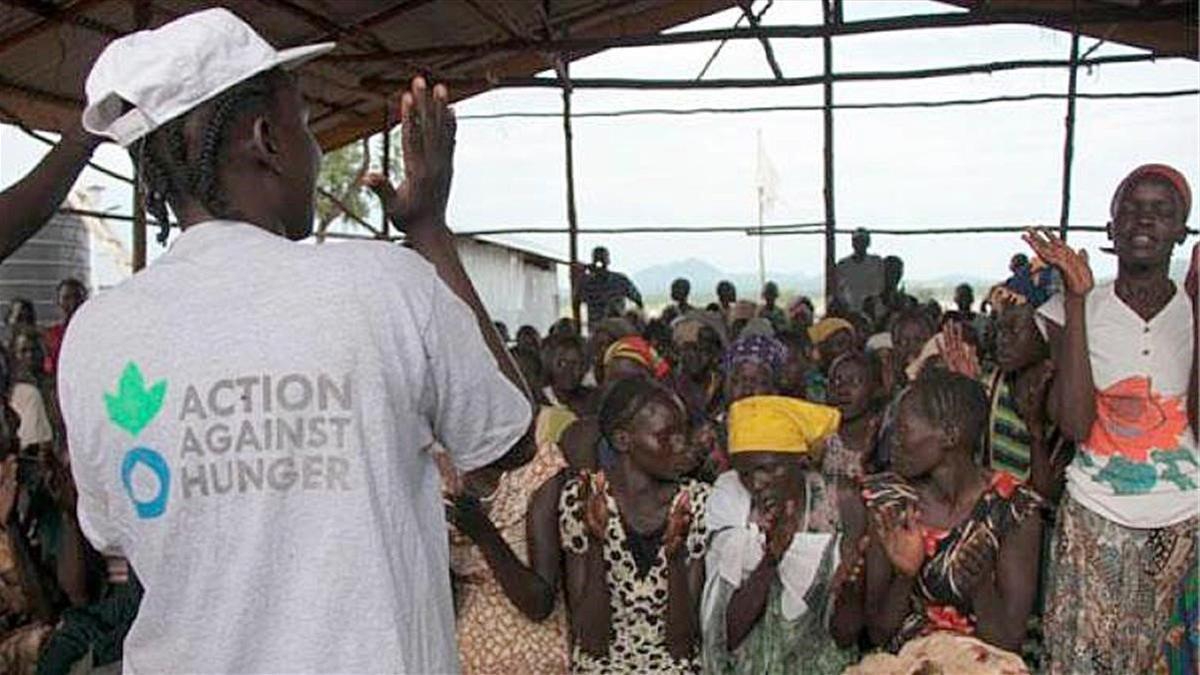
point(341, 171)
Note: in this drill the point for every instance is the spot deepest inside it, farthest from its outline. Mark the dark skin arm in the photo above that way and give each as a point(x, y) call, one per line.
point(849, 585)
point(685, 583)
point(886, 591)
point(1004, 600)
point(1073, 396)
point(894, 559)
point(531, 588)
point(30, 203)
point(588, 600)
point(749, 602)
point(418, 208)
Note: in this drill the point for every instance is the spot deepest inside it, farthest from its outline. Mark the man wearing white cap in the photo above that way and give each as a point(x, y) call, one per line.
point(249, 417)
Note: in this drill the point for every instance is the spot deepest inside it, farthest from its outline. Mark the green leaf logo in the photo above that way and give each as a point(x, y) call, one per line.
point(133, 406)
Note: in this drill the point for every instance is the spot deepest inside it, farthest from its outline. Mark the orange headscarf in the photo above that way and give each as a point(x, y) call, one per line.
point(636, 348)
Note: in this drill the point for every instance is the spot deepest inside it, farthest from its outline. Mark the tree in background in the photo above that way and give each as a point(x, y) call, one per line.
point(341, 176)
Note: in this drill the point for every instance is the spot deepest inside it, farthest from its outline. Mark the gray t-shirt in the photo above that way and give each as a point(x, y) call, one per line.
point(249, 421)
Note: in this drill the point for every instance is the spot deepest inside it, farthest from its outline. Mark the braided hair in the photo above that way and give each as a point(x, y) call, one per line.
point(625, 399)
point(952, 400)
point(168, 168)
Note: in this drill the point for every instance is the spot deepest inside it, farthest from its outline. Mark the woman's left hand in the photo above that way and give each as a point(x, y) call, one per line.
point(974, 565)
point(679, 521)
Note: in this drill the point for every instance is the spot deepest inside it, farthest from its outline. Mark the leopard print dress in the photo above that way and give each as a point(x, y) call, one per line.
point(639, 602)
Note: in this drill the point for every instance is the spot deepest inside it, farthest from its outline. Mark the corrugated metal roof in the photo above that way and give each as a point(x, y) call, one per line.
point(47, 47)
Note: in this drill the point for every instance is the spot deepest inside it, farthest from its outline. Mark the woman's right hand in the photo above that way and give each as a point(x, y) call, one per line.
point(900, 535)
point(1077, 274)
point(781, 530)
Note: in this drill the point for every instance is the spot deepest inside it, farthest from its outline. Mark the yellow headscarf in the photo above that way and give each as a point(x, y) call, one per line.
point(779, 424)
point(825, 328)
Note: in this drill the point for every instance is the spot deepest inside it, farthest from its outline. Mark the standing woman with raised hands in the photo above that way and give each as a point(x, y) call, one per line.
point(1127, 530)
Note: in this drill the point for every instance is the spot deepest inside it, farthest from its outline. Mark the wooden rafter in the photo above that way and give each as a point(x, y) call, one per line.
point(755, 22)
point(51, 17)
point(1174, 12)
point(750, 83)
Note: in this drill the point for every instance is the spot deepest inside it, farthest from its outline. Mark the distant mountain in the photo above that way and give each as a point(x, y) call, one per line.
point(656, 281)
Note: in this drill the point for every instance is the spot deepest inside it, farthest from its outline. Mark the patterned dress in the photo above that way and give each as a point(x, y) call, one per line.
point(638, 601)
point(937, 603)
point(493, 635)
point(21, 636)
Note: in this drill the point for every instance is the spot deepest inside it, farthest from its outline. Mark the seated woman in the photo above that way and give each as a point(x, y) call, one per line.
point(505, 558)
point(773, 600)
point(954, 547)
point(634, 539)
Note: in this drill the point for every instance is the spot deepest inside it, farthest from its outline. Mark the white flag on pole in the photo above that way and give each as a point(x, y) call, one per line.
point(766, 178)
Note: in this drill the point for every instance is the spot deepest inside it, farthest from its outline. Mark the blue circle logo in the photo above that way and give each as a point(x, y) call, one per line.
point(155, 462)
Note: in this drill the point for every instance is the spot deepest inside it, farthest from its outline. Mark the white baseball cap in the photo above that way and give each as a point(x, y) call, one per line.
point(166, 72)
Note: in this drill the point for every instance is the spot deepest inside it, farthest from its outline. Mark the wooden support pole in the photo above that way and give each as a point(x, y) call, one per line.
point(829, 11)
point(141, 20)
point(753, 83)
point(386, 169)
point(139, 222)
point(564, 73)
point(1064, 215)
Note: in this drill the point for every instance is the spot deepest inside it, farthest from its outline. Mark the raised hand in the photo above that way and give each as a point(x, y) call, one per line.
point(900, 536)
point(679, 521)
point(427, 130)
point(782, 529)
point(1072, 264)
point(958, 355)
point(595, 505)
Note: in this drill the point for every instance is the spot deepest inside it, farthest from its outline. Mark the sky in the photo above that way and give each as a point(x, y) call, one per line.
point(999, 164)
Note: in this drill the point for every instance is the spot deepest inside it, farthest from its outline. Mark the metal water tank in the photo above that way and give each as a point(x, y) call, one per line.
point(60, 250)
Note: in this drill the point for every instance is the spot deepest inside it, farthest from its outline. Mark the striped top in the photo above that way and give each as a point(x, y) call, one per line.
point(1009, 442)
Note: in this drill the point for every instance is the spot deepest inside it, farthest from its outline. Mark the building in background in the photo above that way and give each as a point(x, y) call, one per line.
point(517, 285)
point(61, 249)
